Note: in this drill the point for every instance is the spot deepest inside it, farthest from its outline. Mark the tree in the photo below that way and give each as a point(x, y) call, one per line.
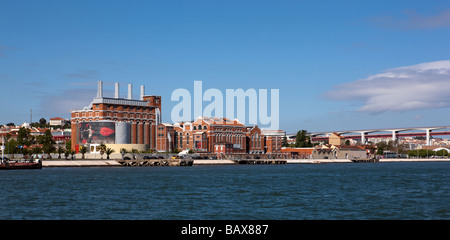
point(134, 151)
point(83, 151)
point(11, 147)
point(25, 152)
point(24, 137)
point(302, 140)
point(68, 144)
point(102, 148)
point(42, 121)
point(108, 152)
point(36, 150)
point(123, 151)
point(72, 152)
point(284, 142)
point(381, 146)
point(60, 150)
point(47, 143)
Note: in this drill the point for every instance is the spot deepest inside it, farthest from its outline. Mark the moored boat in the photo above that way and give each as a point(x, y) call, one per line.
point(8, 164)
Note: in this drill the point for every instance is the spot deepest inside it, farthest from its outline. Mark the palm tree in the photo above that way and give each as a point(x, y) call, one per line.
point(108, 152)
point(72, 152)
point(83, 150)
point(134, 151)
point(123, 151)
point(102, 148)
point(60, 150)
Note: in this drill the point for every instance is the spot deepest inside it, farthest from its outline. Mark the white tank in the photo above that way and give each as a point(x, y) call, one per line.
point(123, 131)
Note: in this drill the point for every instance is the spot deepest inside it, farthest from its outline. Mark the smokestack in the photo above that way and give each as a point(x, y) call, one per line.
point(100, 89)
point(142, 92)
point(116, 90)
point(130, 93)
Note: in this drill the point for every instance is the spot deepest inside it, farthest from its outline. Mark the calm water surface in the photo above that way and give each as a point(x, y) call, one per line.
point(293, 191)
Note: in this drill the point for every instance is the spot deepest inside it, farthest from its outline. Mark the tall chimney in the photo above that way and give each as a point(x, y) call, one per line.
point(130, 93)
point(116, 90)
point(142, 92)
point(100, 89)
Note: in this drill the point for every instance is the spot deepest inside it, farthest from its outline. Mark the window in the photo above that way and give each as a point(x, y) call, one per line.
point(204, 127)
point(195, 128)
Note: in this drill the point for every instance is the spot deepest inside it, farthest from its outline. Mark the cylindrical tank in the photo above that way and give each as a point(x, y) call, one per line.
point(123, 133)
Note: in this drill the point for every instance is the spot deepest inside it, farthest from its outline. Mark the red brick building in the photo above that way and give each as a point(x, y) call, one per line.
point(216, 135)
point(117, 120)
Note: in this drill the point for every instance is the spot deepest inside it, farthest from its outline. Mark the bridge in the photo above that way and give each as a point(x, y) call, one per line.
point(394, 133)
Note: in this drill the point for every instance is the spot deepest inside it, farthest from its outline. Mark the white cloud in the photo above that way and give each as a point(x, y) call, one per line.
point(420, 86)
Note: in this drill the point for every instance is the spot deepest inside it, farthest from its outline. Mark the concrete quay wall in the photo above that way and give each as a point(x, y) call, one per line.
point(80, 163)
point(115, 163)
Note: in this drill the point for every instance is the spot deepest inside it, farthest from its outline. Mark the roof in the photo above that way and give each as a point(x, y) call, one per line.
point(57, 118)
point(337, 134)
point(297, 150)
point(218, 121)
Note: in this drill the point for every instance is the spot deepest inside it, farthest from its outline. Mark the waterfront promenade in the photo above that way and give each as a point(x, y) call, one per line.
point(115, 163)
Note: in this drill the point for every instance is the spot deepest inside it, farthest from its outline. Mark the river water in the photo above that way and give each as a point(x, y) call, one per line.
point(419, 190)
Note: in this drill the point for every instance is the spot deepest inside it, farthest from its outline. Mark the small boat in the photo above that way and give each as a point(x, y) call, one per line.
point(8, 164)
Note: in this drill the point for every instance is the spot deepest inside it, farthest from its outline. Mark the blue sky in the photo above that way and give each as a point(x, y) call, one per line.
point(339, 65)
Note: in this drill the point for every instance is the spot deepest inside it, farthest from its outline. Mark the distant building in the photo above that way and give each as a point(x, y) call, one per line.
point(58, 121)
point(336, 139)
point(273, 140)
point(215, 135)
point(297, 153)
point(340, 152)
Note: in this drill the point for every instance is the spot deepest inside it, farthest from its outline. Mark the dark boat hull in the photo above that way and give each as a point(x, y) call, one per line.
point(20, 165)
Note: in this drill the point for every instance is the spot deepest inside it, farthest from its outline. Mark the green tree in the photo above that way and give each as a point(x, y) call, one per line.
point(83, 151)
point(11, 147)
point(381, 146)
point(24, 137)
point(25, 152)
point(60, 150)
point(123, 151)
point(284, 142)
point(36, 150)
point(42, 121)
point(48, 144)
point(102, 148)
point(108, 152)
point(302, 140)
point(69, 145)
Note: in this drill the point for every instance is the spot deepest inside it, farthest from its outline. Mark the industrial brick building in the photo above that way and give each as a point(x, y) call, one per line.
point(217, 135)
point(136, 123)
point(115, 120)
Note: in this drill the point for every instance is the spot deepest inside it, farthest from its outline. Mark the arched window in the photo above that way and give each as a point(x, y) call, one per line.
point(204, 127)
point(195, 127)
point(187, 138)
point(199, 127)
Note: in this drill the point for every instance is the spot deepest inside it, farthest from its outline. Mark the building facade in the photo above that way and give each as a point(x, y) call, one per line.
point(117, 120)
point(217, 135)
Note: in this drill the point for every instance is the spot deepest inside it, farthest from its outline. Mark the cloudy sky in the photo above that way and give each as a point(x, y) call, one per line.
point(338, 65)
